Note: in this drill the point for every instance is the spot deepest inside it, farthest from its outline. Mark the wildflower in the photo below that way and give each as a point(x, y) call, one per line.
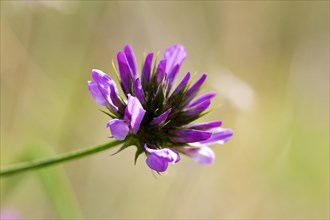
point(157, 117)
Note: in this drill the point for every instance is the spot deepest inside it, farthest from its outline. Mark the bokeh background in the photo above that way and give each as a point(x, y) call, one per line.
point(268, 61)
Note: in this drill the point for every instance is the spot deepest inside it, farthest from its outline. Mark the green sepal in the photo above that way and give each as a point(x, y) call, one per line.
point(166, 123)
point(116, 71)
point(154, 69)
point(158, 101)
point(108, 114)
point(139, 151)
point(125, 145)
point(179, 97)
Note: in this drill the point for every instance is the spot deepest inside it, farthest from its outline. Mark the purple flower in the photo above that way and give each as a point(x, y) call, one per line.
point(127, 68)
point(174, 57)
point(147, 68)
point(160, 120)
point(133, 116)
point(158, 159)
point(191, 136)
point(104, 90)
point(156, 118)
point(219, 136)
point(201, 155)
point(119, 128)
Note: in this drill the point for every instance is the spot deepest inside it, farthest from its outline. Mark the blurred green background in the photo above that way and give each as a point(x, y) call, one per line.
point(268, 61)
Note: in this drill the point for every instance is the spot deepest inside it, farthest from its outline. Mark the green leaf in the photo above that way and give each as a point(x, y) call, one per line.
point(57, 185)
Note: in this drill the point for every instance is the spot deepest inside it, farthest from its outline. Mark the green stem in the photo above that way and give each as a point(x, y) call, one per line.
point(35, 164)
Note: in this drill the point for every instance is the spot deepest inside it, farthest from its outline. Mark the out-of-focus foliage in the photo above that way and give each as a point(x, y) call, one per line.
point(268, 60)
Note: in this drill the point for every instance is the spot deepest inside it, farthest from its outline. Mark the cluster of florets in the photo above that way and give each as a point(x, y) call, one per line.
point(156, 116)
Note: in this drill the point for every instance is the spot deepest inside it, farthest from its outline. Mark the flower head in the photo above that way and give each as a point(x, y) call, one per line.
point(157, 117)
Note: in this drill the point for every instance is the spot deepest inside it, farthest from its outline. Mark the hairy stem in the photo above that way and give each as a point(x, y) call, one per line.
point(35, 164)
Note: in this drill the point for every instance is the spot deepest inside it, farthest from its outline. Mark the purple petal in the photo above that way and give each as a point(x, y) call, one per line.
point(167, 154)
point(100, 77)
point(128, 50)
point(161, 119)
point(114, 97)
point(174, 56)
point(119, 128)
point(97, 95)
point(105, 84)
point(138, 90)
point(202, 98)
point(146, 71)
point(219, 136)
point(171, 77)
point(161, 71)
point(197, 109)
point(134, 112)
point(190, 136)
point(193, 90)
point(156, 163)
point(206, 125)
point(182, 84)
point(106, 87)
point(201, 155)
point(125, 73)
point(158, 159)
